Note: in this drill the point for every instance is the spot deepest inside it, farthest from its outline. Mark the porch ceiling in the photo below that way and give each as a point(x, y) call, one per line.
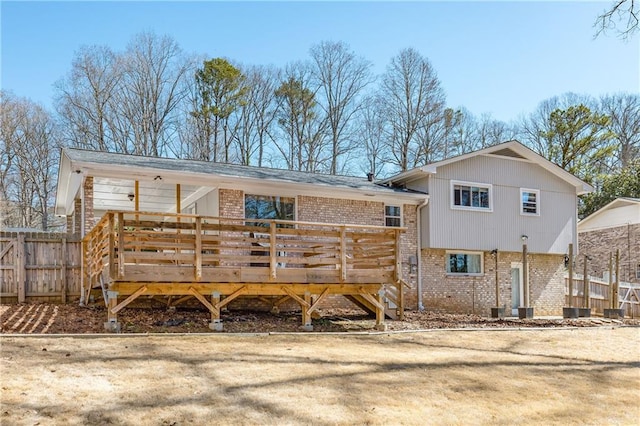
point(154, 196)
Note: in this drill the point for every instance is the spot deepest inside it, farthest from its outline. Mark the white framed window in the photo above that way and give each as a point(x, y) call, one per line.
point(471, 196)
point(529, 202)
point(464, 263)
point(638, 271)
point(392, 215)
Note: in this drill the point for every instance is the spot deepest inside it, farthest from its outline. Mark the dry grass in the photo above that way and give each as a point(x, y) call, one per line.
point(554, 376)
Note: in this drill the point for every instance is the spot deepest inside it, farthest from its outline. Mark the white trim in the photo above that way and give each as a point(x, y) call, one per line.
point(463, 274)
point(531, 191)
point(518, 266)
point(487, 186)
point(386, 216)
point(580, 186)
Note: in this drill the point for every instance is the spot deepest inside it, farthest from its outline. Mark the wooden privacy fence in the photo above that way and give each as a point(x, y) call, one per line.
point(599, 296)
point(39, 266)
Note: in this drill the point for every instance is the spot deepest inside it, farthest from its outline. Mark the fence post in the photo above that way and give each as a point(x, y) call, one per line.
point(586, 303)
point(571, 275)
point(21, 271)
point(63, 269)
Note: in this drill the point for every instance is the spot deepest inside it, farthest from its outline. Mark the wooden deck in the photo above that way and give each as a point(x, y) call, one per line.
point(216, 260)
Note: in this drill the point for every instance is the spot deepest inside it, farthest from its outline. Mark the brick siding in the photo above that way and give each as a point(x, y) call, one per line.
point(599, 244)
point(476, 294)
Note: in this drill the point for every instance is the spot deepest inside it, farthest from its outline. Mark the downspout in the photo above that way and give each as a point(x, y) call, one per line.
point(419, 278)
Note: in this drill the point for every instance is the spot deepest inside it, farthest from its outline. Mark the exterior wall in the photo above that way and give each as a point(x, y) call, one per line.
point(87, 205)
point(476, 294)
point(551, 232)
point(340, 211)
point(231, 203)
point(598, 244)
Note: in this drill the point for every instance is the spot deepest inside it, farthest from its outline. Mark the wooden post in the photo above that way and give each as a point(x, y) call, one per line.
point(21, 271)
point(343, 254)
point(497, 282)
point(525, 275)
point(306, 316)
point(120, 245)
point(398, 277)
point(216, 322)
point(136, 197)
point(571, 275)
point(273, 264)
point(198, 249)
point(611, 304)
point(112, 246)
point(63, 271)
point(586, 303)
point(616, 286)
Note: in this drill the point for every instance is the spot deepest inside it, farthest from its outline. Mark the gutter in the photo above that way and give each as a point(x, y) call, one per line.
point(419, 233)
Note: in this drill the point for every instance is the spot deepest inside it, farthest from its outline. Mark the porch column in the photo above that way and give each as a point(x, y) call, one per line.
point(87, 205)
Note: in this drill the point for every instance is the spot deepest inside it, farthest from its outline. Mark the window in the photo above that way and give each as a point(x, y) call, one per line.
point(464, 263)
point(530, 202)
point(392, 216)
point(472, 196)
point(638, 271)
point(268, 207)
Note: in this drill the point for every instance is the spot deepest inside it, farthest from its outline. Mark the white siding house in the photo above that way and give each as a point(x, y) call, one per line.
point(494, 199)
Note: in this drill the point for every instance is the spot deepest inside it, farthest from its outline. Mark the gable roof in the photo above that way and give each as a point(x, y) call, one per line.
point(76, 163)
point(510, 149)
point(626, 214)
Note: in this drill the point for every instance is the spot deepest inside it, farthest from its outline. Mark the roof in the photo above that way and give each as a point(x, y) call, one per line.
point(513, 149)
point(75, 163)
point(619, 212)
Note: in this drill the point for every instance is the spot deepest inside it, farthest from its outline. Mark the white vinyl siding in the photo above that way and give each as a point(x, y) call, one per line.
point(529, 202)
point(464, 263)
point(444, 227)
point(471, 196)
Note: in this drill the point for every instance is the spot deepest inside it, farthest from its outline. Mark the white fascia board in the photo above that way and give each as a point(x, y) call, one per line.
point(69, 183)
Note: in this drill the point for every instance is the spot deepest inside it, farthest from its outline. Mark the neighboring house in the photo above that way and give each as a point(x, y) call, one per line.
point(453, 214)
point(615, 226)
point(492, 200)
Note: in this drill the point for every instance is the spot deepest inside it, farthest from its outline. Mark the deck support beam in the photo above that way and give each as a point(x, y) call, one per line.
point(112, 323)
point(129, 299)
point(306, 315)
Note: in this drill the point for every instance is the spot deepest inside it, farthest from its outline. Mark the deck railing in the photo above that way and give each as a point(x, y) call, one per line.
point(161, 247)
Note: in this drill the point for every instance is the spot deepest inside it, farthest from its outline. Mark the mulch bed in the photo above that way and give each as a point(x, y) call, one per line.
point(71, 318)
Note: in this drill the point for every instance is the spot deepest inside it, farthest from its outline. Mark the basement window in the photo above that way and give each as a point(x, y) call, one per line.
point(464, 263)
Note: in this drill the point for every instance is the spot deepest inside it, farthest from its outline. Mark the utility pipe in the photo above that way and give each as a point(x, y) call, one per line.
point(419, 234)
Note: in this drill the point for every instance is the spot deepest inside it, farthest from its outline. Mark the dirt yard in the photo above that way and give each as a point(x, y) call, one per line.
point(43, 318)
point(495, 376)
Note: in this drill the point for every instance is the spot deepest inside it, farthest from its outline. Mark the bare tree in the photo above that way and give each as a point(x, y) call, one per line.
point(411, 95)
point(153, 68)
point(341, 77)
point(84, 98)
point(624, 12)
point(30, 145)
point(257, 114)
point(624, 111)
point(371, 134)
point(298, 118)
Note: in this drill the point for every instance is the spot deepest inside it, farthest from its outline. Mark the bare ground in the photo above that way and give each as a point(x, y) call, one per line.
point(555, 376)
point(43, 318)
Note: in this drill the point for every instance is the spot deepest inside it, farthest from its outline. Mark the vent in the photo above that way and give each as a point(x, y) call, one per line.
point(507, 152)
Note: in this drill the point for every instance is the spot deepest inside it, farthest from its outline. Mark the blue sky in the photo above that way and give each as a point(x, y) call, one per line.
point(497, 57)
